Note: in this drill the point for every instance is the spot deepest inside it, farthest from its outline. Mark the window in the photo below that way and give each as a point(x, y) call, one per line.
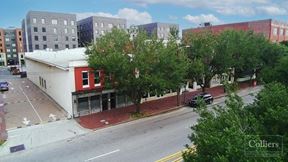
point(281, 32)
point(96, 24)
point(8, 50)
point(14, 50)
point(8, 56)
point(36, 38)
point(55, 30)
point(65, 30)
point(54, 22)
point(67, 46)
point(19, 33)
point(73, 31)
point(43, 29)
point(97, 81)
point(73, 38)
point(1, 50)
point(35, 29)
point(14, 55)
point(110, 26)
point(43, 21)
point(36, 46)
point(44, 46)
point(275, 31)
point(13, 45)
point(102, 32)
point(85, 79)
point(65, 22)
point(72, 23)
point(56, 46)
point(102, 25)
point(45, 84)
point(67, 38)
point(74, 45)
point(34, 20)
point(7, 39)
point(118, 26)
point(44, 38)
point(96, 32)
point(40, 81)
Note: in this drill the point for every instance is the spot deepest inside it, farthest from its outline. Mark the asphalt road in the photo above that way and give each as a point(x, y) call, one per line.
point(146, 140)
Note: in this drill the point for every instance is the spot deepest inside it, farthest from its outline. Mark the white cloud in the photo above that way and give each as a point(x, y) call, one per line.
point(133, 17)
point(272, 10)
point(245, 11)
point(225, 7)
point(202, 19)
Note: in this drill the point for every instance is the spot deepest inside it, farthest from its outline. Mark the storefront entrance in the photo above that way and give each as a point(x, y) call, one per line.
point(95, 102)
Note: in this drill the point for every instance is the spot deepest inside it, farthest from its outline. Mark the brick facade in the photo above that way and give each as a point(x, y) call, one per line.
point(273, 30)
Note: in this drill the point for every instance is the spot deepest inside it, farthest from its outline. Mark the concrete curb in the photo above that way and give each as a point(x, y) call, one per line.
point(160, 112)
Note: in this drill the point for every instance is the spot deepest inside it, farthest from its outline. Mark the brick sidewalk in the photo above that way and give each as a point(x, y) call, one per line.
point(116, 116)
point(3, 132)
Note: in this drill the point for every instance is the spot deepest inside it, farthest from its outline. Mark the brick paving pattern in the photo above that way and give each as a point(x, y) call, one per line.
point(3, 132)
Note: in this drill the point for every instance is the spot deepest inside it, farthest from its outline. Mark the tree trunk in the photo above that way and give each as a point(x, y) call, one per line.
point(203, 88)
point(138, 107)
point(178, 95)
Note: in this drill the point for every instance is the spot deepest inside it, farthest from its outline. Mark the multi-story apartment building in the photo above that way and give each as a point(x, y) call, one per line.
point(11, 47)
point(273, 30)
point(56, 31)
point(2, 49)
point(91, 28)
point(162, 30)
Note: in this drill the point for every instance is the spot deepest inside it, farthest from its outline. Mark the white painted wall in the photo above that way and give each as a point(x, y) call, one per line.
point(59, 83)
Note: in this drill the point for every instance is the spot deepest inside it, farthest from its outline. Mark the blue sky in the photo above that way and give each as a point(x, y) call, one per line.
point(186, 13)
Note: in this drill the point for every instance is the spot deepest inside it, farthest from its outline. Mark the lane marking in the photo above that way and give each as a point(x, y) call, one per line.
point(31, 104)
point(103, 155)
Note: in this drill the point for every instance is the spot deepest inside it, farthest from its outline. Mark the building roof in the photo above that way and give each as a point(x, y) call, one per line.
point(61, 59)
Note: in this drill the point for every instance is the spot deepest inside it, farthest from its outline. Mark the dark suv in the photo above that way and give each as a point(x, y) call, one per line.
point(4, 86)
point(208, 99)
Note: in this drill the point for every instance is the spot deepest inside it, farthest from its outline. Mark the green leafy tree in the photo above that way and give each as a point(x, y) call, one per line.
point(140, 65)
point(271, 110)
point(243, 51)
point(222, 133)
point(205, 60)
point(275, 63)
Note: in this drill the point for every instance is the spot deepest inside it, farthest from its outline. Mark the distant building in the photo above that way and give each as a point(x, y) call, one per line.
point(91, 28)
point(11, 47)
point(56, 31)
point(162, 30)
point(273, 30)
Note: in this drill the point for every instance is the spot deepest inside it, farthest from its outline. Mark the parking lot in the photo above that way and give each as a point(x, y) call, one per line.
point(26, 104)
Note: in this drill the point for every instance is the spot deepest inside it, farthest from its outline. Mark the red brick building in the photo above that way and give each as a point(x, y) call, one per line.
point(273, 30)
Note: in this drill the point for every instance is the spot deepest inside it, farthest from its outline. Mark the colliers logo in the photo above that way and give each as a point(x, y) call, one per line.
point(263, 143)
point(263, 146)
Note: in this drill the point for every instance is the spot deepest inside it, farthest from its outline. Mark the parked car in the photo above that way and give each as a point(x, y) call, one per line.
point(4, 86)
point(208, 99)
point(23, 74)
point(16, 72)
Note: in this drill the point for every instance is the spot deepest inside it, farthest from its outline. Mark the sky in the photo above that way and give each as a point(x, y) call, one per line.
point(186, 13)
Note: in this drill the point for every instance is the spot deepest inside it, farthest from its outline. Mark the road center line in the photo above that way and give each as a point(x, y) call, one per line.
point(31, 104)
point(103, 155)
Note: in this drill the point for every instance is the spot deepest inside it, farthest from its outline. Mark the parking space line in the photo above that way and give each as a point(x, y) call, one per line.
point(31, 104)
point(103, 155)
